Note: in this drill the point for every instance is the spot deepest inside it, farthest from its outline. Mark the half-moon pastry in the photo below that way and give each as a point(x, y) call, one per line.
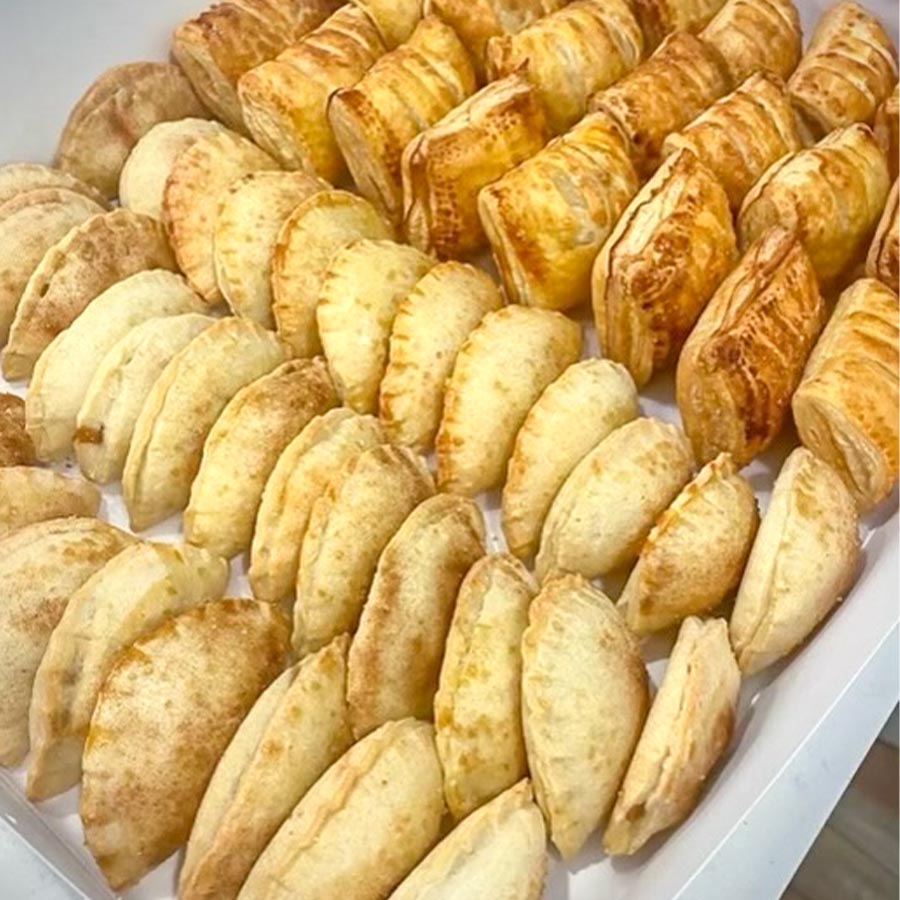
point(887, 124)
point(19, 178)
point(16, 448)
point(29, 494)
point(883, 261)
point(659, 18)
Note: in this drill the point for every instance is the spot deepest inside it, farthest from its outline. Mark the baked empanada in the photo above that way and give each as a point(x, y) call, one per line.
point(41, 566)
point(569, 419)
point(660, 265)
point(687, 730)
point(181, 408)
point(803, 560)
point(29, 494)
point(883, 261)
point(745, 356)
point(16, 448)
point(477, 708)
point(845, 408)
point(382, 798)
point(165, 714)
point(19, 178)
point(500, 371)
point(547, 218)
point(887, 124)
point(445, 166)
point(584, 699)
point(350, 524)
point(130, 596)
point(242, 448)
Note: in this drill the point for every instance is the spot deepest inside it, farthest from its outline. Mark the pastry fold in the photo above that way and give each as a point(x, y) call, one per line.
point(883, 260)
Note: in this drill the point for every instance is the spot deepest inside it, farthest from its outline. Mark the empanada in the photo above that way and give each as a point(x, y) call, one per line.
point(746, 354)
point(19, 178)
point(573, 414)
point(16, 448)
point(445, 166)
point(90, 258)
point(382, 798)
point(430, 326)
point(607, 506)
point(883, 260)
point(165, 714)
point(845, 408)
point(350, 524)
point(500, 371)
point(362, 287)
point(395, 657)
point(181, 408)
point(584, 699)
point(659, 18)
point(660, 265)
point(29, 494)
point(477, 708)
point(687, 730)
point(694, 556)
point(887, 124)
point(804, 559)
point(41, 566)
point(547, 218)
point(242, 448)
point(130, 596)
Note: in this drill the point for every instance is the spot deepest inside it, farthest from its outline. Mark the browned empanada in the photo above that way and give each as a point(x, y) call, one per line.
point(16, 448)
point(20, 178)
point(887, 124)
point(659, 18)
point(883, 260)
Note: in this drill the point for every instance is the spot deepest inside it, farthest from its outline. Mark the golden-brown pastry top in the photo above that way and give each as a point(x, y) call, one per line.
point(883, 261)
point(887, 124)
point(16, 448)
point(659, 18)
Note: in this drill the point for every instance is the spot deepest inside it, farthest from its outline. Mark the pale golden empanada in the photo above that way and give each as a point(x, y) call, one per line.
point(608, 504)
point(430, 326)
point(181, 408)
point(659, 18)
point(584, 700)
point(500, 371)
point(300, 476)
point(242, 448)
point(883, 260)
point(90, 258)
point(887, 124)
point(319, 227)
point(29, 494)
point(688, 728)
point(405, 92)
point(660, 265)
point(445, 166)
point(694, 556)
point(16, 448)
point(547, 218)
point(845, 408)
point(165, 714)
point(19, 178)
point(41, 566)
point(131, 595)
point(477, 708)
point(803, 561)
point(746, 354)
point(294, 732)
point(569, 419)
point(382, 798)
point(350, 524)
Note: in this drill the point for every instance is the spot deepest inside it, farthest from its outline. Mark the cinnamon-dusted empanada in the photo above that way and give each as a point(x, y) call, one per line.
point(883, 261)
point(569, 419)
point(445, 166)
point(663, 94)
point(350, 524)
point(242, 448)
point(29, 495)
point(607, 506)
point(667, 254)
point(500, 371)
point(477, 709)
point(431, 324)
point(803, 560)
point(687, 730)
point(301, 474)
point(845, 408)
point(16, 448)
point(547, 218)
point(584, 699)
point(756, 36)
point(362, 287)
point(182, 407)
point(310, 236)
point(887, 124)
point(41, 566)
point(90, 258)
point(20, 178)
point(681, 570)
point(165, 714)
point(405, 92)
point(295, 731)
point(571, 54)
point(395, 657)
point(742, 134)
point(849, 68)
point(118, 109)
point(131, 595)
